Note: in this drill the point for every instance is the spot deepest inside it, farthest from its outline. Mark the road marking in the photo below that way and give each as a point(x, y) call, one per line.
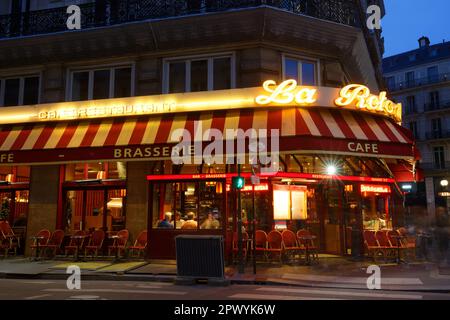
point(373, 294)
point(353, 280)
point(38, 297)
point(273, 297)
point(177, 293)
point(37, 282)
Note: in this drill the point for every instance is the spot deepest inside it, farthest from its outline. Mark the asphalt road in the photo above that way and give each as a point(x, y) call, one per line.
point(21, 289)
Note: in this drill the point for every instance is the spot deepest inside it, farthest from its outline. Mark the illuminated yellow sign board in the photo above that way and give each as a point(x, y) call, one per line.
point(286, 94)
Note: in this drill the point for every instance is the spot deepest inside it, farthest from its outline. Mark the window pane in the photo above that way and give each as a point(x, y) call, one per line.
point(199, 75)
point(12, 87)
point(80, 86)
point(177, 77)
point(291, 69)
point(222, 74)
point(31, 91)
point(101, 84)
point(122, 83)
point(308, 74)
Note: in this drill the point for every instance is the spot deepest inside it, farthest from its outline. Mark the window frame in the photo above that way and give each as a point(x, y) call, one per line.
point(92, 70)
point(21, 78)
point(300, 58)
point(441, 154)
point(188, 61)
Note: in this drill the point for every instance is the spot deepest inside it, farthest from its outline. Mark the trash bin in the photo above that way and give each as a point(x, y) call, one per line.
point(200, 256)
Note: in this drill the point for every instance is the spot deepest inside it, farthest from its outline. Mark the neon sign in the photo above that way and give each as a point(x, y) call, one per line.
point(285, 93)
point(359, 95)
point(374, 188)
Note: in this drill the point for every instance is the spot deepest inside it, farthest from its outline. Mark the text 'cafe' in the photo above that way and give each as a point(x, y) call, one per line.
point(341, 154)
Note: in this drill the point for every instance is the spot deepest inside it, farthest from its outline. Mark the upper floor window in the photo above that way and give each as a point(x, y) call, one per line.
point(411, 104)
point(390, 82)
point(102, 83)
point(433, 74)
point(410, 78)
point(303, 71)
point(199, 74)
point(439, 157)
point(436, 126)
point(413, 128)
point(19, 91)
point(434, 99)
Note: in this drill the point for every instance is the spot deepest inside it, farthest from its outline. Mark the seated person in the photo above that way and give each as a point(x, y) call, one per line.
point(166, 224)
point(178, 221)
point(210, 222)
point(190, 223)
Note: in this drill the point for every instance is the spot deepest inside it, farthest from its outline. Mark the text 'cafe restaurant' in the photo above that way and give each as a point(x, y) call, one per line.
point(341, 154)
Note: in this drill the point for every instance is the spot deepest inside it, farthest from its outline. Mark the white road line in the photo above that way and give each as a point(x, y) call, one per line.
point(178, 293)
point(37, 282)
point(354, 280)
point(371, 294)
point(38, 297)
point(273, 297)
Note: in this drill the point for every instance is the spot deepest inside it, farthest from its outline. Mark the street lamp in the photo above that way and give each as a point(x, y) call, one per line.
point(444, 183)
point(331, 170)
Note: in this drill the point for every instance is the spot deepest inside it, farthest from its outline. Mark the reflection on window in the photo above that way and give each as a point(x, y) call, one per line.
point(199, 75)
point(96, 170)
point(101, 84)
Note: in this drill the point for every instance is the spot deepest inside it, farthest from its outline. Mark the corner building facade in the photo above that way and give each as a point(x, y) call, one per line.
point(88, 119)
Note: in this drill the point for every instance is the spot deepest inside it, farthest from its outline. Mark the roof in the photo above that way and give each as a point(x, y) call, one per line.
point(421, 56)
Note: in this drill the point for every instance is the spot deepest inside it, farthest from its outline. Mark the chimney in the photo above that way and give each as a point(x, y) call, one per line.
point(424, 42)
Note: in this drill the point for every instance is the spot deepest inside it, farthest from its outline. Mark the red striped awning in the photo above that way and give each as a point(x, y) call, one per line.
point(300, 129)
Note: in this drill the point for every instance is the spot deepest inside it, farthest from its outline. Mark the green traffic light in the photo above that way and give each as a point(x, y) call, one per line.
point(238, 182)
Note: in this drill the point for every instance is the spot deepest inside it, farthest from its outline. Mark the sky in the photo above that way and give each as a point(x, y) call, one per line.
point(407, 20)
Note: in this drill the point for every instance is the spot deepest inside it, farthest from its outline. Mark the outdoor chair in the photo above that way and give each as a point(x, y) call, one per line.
point(8, 232)
point(261, 243)
point(371, 244)
point(120, 243)
point(275, 244)
point(95, 243)
point(386, 246)
point(310, 243)
point(245, 243)
point(42, 238)
point(9, 241)
point(290, 245)
point(54, 243)
point(140, 245)
point(395, 242)
point(75, 244)
point(409, 242)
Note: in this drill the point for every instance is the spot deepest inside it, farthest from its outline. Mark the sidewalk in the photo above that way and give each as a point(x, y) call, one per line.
point(331, 272)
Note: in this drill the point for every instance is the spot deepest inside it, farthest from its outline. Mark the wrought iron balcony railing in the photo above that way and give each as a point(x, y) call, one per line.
point(417, 82)
point(109, 12)
point(437, 135)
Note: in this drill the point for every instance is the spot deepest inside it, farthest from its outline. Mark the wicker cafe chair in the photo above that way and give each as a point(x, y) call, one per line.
point(140, 245)
point(95, 243)
point(371, 244)
point(74, 244)
point(120, 243)
point(261, 243)
point(409, 242)
point(40, 243)
point(9, 241)
point(290, 245)
point(245, 248)
point(386, 246)
point(396, 242)
point(275, 244)
point(54, 243)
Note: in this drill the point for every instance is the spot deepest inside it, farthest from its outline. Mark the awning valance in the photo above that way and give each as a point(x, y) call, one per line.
point(301, 130)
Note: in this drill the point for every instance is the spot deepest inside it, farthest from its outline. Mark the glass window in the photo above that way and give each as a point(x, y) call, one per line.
point(101, 84)
point(410, 104)
point(177, 77)
point(413, 128)
point(199, 75)
point(203, 74)
point(96, 170)
point(31, 91)
point(433, 74)
point(222, 73)
point(304, 72)
point(122, 83)
point(439, 157)
point(12, 92)
point(80, 86)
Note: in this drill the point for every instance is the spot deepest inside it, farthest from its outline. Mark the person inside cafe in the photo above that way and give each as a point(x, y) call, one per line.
point(190, 223)
point(210, 222)
point(165, 223)
point(178, 221)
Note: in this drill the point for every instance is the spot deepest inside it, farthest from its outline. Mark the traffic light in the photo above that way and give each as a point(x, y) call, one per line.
point(238, 182)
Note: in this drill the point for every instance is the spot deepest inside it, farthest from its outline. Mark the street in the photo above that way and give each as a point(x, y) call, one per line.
point(21, 289)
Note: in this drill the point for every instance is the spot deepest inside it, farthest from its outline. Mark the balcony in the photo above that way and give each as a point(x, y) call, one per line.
point(431, 166)
point(413, 83)
point(440, 105)
point(437, 135)
point(123, 11)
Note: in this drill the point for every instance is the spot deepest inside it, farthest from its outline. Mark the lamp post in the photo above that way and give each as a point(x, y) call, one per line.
point(241, 268)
